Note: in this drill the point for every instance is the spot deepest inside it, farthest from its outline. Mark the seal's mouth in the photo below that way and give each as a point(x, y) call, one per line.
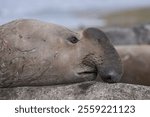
point(87, 72)
point(93, 73)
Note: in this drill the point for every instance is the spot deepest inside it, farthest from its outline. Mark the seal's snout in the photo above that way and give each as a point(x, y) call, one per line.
point(111, 77)
point(104, 56)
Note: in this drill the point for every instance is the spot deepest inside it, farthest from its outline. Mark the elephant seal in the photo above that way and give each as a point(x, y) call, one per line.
point(136, 64)
point(36, 53)
point(137, 35)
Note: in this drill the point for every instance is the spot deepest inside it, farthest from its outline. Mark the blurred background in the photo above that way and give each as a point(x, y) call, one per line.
point(78, 13)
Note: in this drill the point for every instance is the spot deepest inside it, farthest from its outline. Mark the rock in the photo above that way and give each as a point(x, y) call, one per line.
point(129, 36)
point(84, 91)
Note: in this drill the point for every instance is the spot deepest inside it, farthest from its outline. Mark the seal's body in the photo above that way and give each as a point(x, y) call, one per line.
point(136, 64)
point(38, 53)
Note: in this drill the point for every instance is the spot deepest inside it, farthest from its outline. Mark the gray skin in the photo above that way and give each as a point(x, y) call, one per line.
point(35, 53)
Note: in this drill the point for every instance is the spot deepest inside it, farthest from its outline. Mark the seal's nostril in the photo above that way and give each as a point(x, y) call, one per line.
point(108, 78)
point(111, 77)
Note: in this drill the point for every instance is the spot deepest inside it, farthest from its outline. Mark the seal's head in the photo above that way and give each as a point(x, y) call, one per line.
point(87, 56)
point(39, 53)
point(93, 57)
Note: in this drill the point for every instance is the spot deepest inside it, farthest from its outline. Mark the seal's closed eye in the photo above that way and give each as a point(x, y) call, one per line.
point(73, 39)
